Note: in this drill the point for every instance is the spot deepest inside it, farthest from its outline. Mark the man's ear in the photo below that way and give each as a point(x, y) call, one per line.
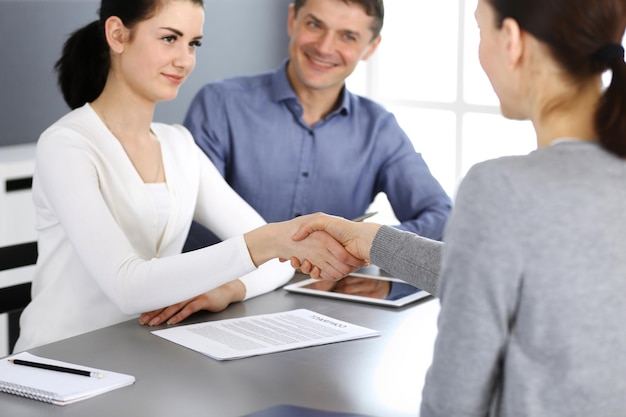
point(371, 48)
point(291, 18)
point(116, 34)
point(513, 42)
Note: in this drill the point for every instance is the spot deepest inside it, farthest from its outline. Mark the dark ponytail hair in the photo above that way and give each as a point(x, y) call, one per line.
point(84, 65)
point(584, 36)
point(611, 113)
point(85, 61)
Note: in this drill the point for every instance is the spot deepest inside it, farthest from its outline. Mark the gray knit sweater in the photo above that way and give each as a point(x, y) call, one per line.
point(533, 288)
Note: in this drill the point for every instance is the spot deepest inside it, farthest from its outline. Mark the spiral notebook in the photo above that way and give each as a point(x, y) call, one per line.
point(55, 387)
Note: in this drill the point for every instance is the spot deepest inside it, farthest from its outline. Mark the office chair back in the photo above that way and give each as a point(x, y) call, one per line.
point(14, 298)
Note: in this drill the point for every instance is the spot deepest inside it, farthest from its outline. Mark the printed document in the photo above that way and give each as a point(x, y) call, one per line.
point(262, 334)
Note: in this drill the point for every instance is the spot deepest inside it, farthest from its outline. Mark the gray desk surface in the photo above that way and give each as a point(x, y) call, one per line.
point(381, 376)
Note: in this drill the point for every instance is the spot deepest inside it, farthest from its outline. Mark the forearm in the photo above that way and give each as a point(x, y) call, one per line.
point(429, 224)
point(412, 258)
point(268, 277)
point(260, 243)
point(235, 289)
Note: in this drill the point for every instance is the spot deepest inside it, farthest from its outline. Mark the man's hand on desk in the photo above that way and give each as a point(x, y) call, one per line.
point(215, 300)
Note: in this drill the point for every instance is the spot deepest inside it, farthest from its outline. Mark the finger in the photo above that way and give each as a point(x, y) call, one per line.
point(315, 273)
point(295, 263)
point(330, 275)
point(341, 259)
point(306, 267)
point(187, 311)
point(145, 318)
point(307, 228)
point(340, 253)
point(329, 271)
point(338, 268)
point(166, 314)
point(328, 267)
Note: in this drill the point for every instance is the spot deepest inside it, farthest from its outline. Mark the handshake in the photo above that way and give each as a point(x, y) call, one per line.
point(323, 246)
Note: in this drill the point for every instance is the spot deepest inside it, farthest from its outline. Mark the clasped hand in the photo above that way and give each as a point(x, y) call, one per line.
point(356, 239)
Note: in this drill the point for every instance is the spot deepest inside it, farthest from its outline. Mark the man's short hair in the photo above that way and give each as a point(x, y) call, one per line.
point(374, 8)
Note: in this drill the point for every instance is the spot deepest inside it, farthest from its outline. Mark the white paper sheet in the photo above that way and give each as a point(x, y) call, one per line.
point(262, 334)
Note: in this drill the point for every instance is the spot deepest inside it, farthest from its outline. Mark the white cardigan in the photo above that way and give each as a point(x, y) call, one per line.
point(100, 259)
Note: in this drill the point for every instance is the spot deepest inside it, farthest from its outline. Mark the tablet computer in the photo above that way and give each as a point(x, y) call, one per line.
point(368, 285)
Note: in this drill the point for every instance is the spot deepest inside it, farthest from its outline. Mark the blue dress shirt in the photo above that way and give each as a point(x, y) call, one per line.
point(252, 129)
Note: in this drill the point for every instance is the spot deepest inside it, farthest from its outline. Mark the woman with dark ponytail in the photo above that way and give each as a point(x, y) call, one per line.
point(533, 270)
point(534, 264)
point(115, 193)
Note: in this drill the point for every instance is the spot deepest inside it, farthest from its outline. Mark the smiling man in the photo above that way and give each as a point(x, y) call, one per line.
point(296, 141)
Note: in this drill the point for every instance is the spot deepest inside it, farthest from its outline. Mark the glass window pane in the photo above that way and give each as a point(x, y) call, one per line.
point(488, 136)
point(357, 81)
point(417, 59)
point(476, 86)
point(433, 133)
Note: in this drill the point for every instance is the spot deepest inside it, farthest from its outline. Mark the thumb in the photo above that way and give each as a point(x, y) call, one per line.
point(304, 230)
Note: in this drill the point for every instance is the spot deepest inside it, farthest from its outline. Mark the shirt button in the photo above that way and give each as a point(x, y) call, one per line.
point(310, 133)
point(305, 174)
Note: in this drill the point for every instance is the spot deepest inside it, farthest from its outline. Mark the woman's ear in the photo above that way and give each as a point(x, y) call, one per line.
point(513, 42)
point(116, 34)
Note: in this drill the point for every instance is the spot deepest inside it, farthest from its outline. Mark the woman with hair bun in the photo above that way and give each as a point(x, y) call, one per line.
point(533, 271)
point(115, 193)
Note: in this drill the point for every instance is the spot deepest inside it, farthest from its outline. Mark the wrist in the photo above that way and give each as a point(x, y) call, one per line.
point(258, 244)
point(367, 239)
point(236, 290)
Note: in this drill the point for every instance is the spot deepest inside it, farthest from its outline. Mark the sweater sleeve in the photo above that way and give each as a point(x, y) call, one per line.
point(407, 256)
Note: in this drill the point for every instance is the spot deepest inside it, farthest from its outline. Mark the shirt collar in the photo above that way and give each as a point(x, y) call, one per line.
point(282, 91)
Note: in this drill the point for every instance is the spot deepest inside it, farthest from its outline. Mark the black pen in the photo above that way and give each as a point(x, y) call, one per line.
point(365, 216)
point(57, 368)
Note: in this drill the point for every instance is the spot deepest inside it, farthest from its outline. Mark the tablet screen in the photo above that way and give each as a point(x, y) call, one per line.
point(362, 287)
